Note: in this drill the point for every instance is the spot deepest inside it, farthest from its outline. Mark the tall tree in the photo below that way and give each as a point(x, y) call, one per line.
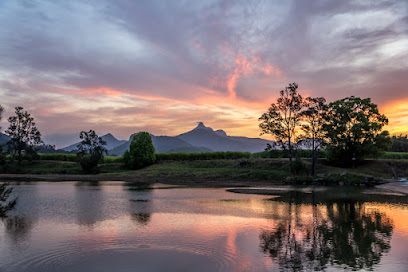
point(283, 117)
point(24, 134)
point(353, 130)
point(312, 125)
point(90, 151)
point(141, 152)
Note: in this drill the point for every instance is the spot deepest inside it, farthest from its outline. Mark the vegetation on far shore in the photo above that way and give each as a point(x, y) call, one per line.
point(217, 170)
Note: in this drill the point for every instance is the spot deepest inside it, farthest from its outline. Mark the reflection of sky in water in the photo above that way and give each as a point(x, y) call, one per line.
point(83, 227)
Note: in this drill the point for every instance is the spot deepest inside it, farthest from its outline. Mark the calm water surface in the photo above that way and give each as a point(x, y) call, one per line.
point(113, 227)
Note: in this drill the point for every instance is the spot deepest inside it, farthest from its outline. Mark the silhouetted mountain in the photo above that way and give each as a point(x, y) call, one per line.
point(111, 143)
point(4, 139)
point(191, 149)
point(200, 139)
point(162, 144)
point(219, 141)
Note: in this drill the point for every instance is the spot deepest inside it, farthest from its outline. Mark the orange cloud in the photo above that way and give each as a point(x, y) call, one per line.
point(244, 66)
point(104, 91)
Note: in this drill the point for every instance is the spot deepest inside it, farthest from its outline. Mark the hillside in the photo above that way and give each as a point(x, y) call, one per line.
point(219, 141)
point(199, 139)
point(162, 144)
point(4, 139)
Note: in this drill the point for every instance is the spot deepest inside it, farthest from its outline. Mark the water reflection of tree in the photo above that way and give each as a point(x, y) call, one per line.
point(141, 218)
point(90, 201)
point(18, 229)
point(140, 195)
point(343, 233)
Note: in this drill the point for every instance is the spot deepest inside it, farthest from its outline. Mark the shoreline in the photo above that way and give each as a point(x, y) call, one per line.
point(135, 179)
point(388, 185)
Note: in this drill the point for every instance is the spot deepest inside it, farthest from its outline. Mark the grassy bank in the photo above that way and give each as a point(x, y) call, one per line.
point(273, 170)
point(165, 170)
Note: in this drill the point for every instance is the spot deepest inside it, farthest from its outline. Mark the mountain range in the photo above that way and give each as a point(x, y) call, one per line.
point(200, 139)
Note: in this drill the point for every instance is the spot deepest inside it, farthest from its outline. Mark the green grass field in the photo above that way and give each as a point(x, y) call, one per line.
point(211, 170)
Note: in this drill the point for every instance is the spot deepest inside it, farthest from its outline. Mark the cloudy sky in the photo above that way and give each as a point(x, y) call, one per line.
point(161, 66)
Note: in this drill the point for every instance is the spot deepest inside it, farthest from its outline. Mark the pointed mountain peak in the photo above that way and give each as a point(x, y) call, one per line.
point(109, 136)
point(202, 126)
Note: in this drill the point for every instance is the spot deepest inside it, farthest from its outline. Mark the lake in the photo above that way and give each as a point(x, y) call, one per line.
point(111, 226)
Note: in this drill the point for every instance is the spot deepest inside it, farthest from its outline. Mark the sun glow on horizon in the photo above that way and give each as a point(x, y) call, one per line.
point(397, 113)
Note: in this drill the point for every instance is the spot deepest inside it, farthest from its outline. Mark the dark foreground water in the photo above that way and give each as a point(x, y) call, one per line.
point(112, 227)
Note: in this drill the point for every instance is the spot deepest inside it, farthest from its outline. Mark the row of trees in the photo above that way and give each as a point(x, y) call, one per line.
point(25, 141)
point(350, 129)
point(91, 151)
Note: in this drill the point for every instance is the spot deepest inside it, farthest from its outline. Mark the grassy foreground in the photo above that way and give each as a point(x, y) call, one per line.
point(267, 170)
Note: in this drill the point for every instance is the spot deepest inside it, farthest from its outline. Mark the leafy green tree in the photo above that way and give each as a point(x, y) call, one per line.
point(6, 204)
point(91, 151)
point(353, 130)
point(141, 152)
point(283, 117)
point(24, 134)
point(312, 126)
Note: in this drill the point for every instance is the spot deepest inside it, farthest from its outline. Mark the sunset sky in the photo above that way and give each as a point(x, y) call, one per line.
point(161, 66)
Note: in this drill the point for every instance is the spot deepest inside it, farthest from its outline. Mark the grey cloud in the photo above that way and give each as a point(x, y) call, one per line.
point(174, 48)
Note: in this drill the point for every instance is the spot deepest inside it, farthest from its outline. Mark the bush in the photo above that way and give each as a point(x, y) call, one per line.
point(395, 155)
point(89, 163)
point(141, 152)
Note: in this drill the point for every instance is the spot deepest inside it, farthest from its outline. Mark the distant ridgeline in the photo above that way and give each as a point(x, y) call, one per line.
point(200, 139)
point(4, 139)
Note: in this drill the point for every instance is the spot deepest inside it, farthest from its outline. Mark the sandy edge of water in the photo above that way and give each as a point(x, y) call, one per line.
point(395, 186)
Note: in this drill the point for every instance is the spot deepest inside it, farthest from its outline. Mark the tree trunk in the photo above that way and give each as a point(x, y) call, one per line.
point(313, 162)
point(290, 158)
point(313, 157)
